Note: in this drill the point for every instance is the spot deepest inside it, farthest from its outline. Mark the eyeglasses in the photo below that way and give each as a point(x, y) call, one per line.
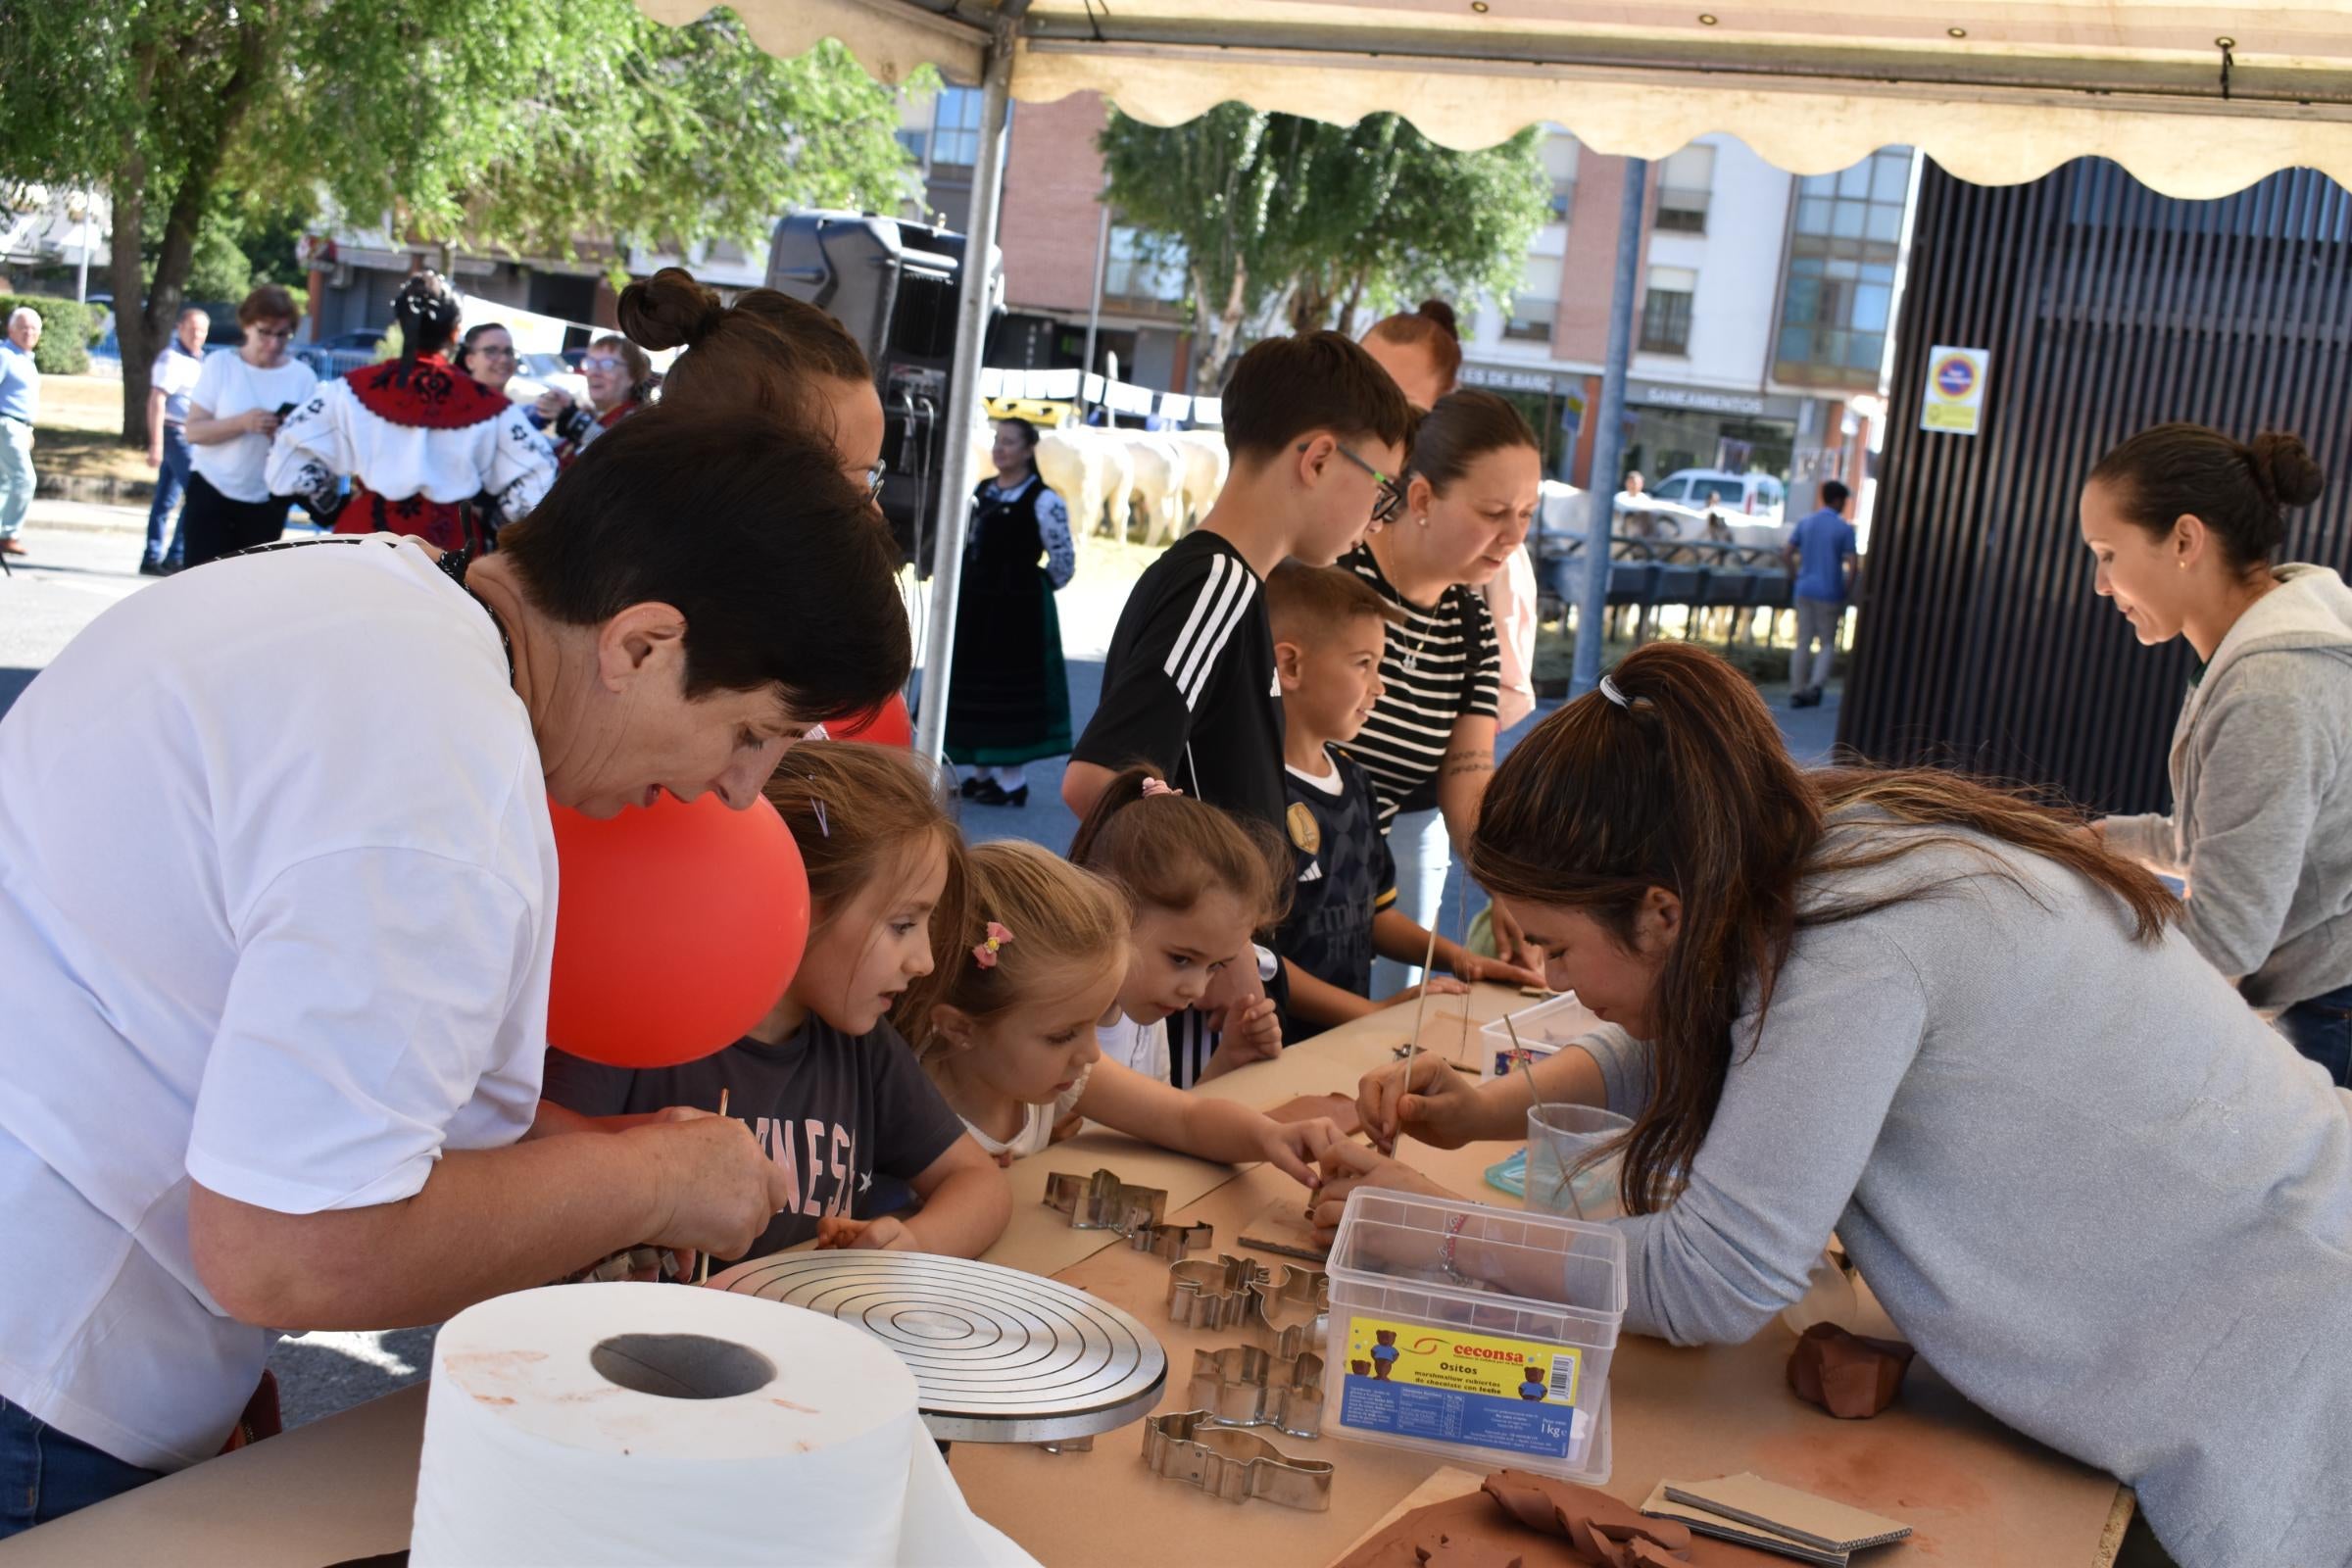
point(599, 363)
point(873, 481)
point(282, 333)
point(1390, 501)
point(489, 353)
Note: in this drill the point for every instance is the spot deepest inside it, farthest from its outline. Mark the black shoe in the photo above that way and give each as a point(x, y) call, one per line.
point(153, 569)
point(1020, 797)
point(972, 786)
point(984, 791)
point(1804, 699)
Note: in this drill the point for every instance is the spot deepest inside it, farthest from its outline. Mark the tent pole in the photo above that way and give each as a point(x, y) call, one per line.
point(1608, 437)
point(964, 392)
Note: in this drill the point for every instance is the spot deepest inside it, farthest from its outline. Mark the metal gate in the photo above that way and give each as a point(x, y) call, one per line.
point(2106, 308)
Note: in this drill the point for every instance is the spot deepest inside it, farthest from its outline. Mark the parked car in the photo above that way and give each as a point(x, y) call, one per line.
point(342, 353)
point(535, 374)
point(1755, 498)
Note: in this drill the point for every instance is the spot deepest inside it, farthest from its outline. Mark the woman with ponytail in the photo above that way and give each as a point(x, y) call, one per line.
point(419, 438)
point(2183, 524)
point(2088, 1183)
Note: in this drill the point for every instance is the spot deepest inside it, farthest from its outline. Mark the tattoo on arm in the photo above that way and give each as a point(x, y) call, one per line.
point(1459, 763)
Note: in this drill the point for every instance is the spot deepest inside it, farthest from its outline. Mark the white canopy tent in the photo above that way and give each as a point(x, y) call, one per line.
point(2195, 101)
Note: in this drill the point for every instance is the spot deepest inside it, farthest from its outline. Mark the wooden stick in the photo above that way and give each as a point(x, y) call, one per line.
point(702, 1274)
point(1461, 922)
point(1413, 1045)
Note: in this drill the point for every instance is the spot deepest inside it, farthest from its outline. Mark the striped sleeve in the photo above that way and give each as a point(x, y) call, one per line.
point(1486, 656)
point(1169, 640)
point(1441, 665)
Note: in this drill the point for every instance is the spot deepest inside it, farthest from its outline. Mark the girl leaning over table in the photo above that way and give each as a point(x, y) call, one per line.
point(2093, 1189)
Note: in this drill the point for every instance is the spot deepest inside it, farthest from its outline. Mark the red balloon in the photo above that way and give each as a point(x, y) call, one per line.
point(887, 726)
point(677, 927)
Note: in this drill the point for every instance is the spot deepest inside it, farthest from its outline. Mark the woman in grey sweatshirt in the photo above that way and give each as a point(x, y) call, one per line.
point(2183, 522)
point(2086, 1182)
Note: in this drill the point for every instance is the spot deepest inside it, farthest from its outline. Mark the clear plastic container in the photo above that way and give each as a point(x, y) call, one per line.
point(1502, 1360)
point(1543, 1029)
point(1560, 1137)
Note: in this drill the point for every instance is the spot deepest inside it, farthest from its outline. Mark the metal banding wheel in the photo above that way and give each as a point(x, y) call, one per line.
point(998, 1355)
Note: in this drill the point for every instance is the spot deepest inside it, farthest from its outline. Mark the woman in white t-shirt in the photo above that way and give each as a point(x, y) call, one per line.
point(233, 412)
point(278, 887)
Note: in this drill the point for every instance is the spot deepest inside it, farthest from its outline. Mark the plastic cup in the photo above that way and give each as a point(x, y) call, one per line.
point(1559, 1138)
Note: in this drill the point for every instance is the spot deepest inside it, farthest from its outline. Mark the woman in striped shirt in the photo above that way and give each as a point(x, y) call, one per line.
point(1472, 485)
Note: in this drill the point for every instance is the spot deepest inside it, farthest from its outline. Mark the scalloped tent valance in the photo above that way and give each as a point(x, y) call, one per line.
point(2195, 100)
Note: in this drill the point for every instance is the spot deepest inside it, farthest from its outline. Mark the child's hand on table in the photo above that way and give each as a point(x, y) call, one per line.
point(839, 1233)
point(1437, 985)
point(1248, 1032)
point(1349, 1165)
point(1477, 966)
point(1435, 1104)
point(1297, 1146)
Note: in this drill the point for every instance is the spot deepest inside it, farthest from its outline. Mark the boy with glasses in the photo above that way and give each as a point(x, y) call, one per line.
point(1316, 428)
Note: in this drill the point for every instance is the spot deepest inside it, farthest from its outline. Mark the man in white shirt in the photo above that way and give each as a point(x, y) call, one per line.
point(278, 880)
point(169, 383)
point(19, 406)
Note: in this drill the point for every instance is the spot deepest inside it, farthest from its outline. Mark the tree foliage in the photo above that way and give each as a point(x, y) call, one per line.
point(525, 126)
point(1277, 217)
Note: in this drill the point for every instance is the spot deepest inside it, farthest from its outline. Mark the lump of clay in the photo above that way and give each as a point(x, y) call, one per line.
point(1599, 1529)
point(1846, 1374)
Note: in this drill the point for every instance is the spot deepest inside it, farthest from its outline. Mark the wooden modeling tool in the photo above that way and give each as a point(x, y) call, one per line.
point(1413, 1044)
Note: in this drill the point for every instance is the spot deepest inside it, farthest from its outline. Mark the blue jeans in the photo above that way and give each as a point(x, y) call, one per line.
point(2322, 1029)
point(45, 1475)
point(170, 483)
point(1422, 848)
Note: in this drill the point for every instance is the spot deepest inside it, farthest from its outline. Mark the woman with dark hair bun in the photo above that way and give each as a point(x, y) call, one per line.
point(419, 439)
point(767, 350)
point(1009, 702)
point(1421, 349)
point(1941, 1021)
point(2183, 524)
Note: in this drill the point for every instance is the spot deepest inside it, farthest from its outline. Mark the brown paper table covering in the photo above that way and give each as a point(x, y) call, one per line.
point(1975, 1491)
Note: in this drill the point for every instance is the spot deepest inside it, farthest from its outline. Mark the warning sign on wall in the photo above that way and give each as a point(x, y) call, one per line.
point(1954, 400)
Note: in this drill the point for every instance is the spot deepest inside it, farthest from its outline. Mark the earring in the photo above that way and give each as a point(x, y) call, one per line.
point(2183, 564)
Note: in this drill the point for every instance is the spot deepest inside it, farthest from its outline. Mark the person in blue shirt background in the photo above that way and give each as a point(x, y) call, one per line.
point(19, 406)
point(1822, 552)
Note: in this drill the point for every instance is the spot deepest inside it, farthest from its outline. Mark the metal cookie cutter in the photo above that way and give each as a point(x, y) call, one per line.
point(1104, 1202)
point(1245, 1387)
point(1213, 1294)
point(1231, 1464)
point(1284, 1307)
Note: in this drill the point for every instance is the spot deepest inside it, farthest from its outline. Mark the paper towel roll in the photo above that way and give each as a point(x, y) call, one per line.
point(634, 1423)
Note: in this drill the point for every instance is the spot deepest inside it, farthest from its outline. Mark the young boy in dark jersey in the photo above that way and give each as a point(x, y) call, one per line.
point(1329, 628)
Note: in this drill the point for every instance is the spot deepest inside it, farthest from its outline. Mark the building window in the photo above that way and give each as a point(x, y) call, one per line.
point(1536, 300)
point(1143, 268)
point(1666, 309)
point(1561, 151)
point(956, 128)
point(1837, 294)
point(1685, 182)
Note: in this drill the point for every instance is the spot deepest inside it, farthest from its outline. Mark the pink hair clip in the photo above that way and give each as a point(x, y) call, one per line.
point(1160, 786)
point(985, 954)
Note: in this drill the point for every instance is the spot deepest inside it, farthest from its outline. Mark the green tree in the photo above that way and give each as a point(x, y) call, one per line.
point(525, 126)
point(1280, 218)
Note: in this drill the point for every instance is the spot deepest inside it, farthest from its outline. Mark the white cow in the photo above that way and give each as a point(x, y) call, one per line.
point(1159, 485)
point(1091, 470)
point(1205, 464)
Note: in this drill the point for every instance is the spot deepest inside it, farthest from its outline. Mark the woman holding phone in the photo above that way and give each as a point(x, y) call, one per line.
point(234, 409)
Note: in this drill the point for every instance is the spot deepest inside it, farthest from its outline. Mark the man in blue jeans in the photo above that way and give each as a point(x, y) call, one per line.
point(1822, 552)
point(168, 384)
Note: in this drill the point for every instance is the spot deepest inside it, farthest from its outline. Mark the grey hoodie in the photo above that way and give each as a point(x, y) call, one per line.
point(2262, 797)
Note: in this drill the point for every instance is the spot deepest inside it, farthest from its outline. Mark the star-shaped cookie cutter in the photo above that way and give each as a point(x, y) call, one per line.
point(1243, 1386)
point(1104, 1202)
point(1232, 1464)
